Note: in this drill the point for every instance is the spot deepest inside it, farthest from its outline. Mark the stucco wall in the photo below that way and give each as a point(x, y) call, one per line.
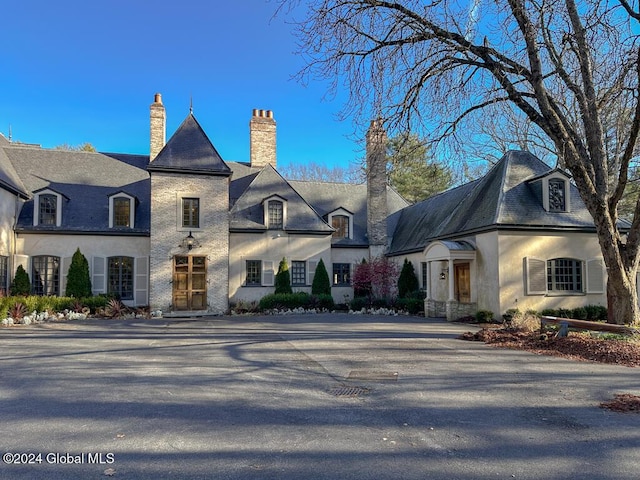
point(95, 248)
point(352, 256)
point(515, 246)
point(167, 235)
point(7, 219)
point(488, 270)
point(271, 246)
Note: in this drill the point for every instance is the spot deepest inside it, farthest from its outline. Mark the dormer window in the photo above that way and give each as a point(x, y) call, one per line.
point(552, 190)
point(121, 211)
point(557, 195)
point(47, 208)
point(341, 224)
point(342, 221)
point(275, 212)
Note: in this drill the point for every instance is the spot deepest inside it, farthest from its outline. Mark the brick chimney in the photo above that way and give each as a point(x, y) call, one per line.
point(158, 127)
point(376, 188)
point(262, 133)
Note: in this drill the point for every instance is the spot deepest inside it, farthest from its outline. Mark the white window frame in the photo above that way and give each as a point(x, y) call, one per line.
point(132, 209)
point(36, 206)
point(545, 192)
point(345, 213)
point(265, 206)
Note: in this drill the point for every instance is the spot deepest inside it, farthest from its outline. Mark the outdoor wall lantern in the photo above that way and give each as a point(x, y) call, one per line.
point(190, 241)
point(443, 273)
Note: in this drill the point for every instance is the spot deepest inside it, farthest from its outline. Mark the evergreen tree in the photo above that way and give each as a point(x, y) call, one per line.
point(321, 284)
point(21, 285)
point(78, 279)
point(283, 279)
point(408, 281)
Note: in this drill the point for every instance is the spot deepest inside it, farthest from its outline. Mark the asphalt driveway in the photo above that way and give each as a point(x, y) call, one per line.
point(302, 397)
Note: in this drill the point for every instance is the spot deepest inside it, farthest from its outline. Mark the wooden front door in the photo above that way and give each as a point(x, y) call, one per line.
point(189, 282)
point(463, 282)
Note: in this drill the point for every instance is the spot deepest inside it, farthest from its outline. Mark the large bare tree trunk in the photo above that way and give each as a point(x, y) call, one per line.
point(622, 298)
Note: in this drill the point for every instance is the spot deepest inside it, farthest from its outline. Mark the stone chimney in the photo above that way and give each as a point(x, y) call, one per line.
point(158, 127)
point(377, 188)
point(262, 132)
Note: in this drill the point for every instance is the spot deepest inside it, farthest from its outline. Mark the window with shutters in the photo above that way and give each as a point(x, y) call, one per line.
point(564, 275)
point(120, 274)
point(254, 273)
point(298, 273)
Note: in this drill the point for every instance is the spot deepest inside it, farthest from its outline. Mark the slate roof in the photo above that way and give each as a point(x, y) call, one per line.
point(326, 197)
point(86, 180)
point(502, 198)
point(189, 150)
point(9, 179)
point(247, 212)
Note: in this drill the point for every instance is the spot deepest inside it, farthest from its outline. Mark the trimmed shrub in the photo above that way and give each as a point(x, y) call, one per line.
point(78, 279)
point(322, 302)
point(321, 284)
point(484, 316)
point(411, 305)
point(358, 303)
point(408, 280)
point(596, 312)
point(285, 300)
point(21, 285)
point(283, 278)
point(579, 313)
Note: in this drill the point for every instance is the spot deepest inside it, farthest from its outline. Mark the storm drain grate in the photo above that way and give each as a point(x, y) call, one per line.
point(348, 391)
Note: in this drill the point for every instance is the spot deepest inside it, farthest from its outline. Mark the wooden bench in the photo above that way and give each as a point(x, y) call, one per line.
point(565, 323)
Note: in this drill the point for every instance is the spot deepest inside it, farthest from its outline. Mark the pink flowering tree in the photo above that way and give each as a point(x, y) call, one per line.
point(377, 279)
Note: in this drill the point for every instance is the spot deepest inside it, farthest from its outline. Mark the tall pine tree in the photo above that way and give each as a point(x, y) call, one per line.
point(321, 284)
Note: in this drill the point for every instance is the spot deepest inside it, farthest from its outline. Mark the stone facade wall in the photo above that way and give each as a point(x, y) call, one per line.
point(456, 310)
point(450, 310)
point(262, 132)
point(167, 235)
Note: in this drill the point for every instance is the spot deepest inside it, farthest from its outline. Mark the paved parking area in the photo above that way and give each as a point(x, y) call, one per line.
point(303, 397)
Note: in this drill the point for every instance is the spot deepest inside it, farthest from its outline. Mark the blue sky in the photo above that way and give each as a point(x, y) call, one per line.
point(87, 71)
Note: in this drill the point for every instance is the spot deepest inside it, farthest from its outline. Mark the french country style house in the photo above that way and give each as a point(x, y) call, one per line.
point(186, 232)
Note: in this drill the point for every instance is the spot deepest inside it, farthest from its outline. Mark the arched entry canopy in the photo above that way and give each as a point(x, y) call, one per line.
point(453, 262)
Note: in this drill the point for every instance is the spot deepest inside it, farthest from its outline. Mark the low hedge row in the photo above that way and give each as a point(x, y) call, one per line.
point(282, 301)
point(54, 304)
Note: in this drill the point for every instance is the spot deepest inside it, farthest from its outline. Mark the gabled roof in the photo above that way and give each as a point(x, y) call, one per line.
point(326, 198)
point(247, 212)
point(502, 198)
point(9, 179)
point(85, 180)
point(190, 151)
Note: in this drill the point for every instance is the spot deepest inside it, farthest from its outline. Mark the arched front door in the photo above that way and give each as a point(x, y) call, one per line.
point(189, 282)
